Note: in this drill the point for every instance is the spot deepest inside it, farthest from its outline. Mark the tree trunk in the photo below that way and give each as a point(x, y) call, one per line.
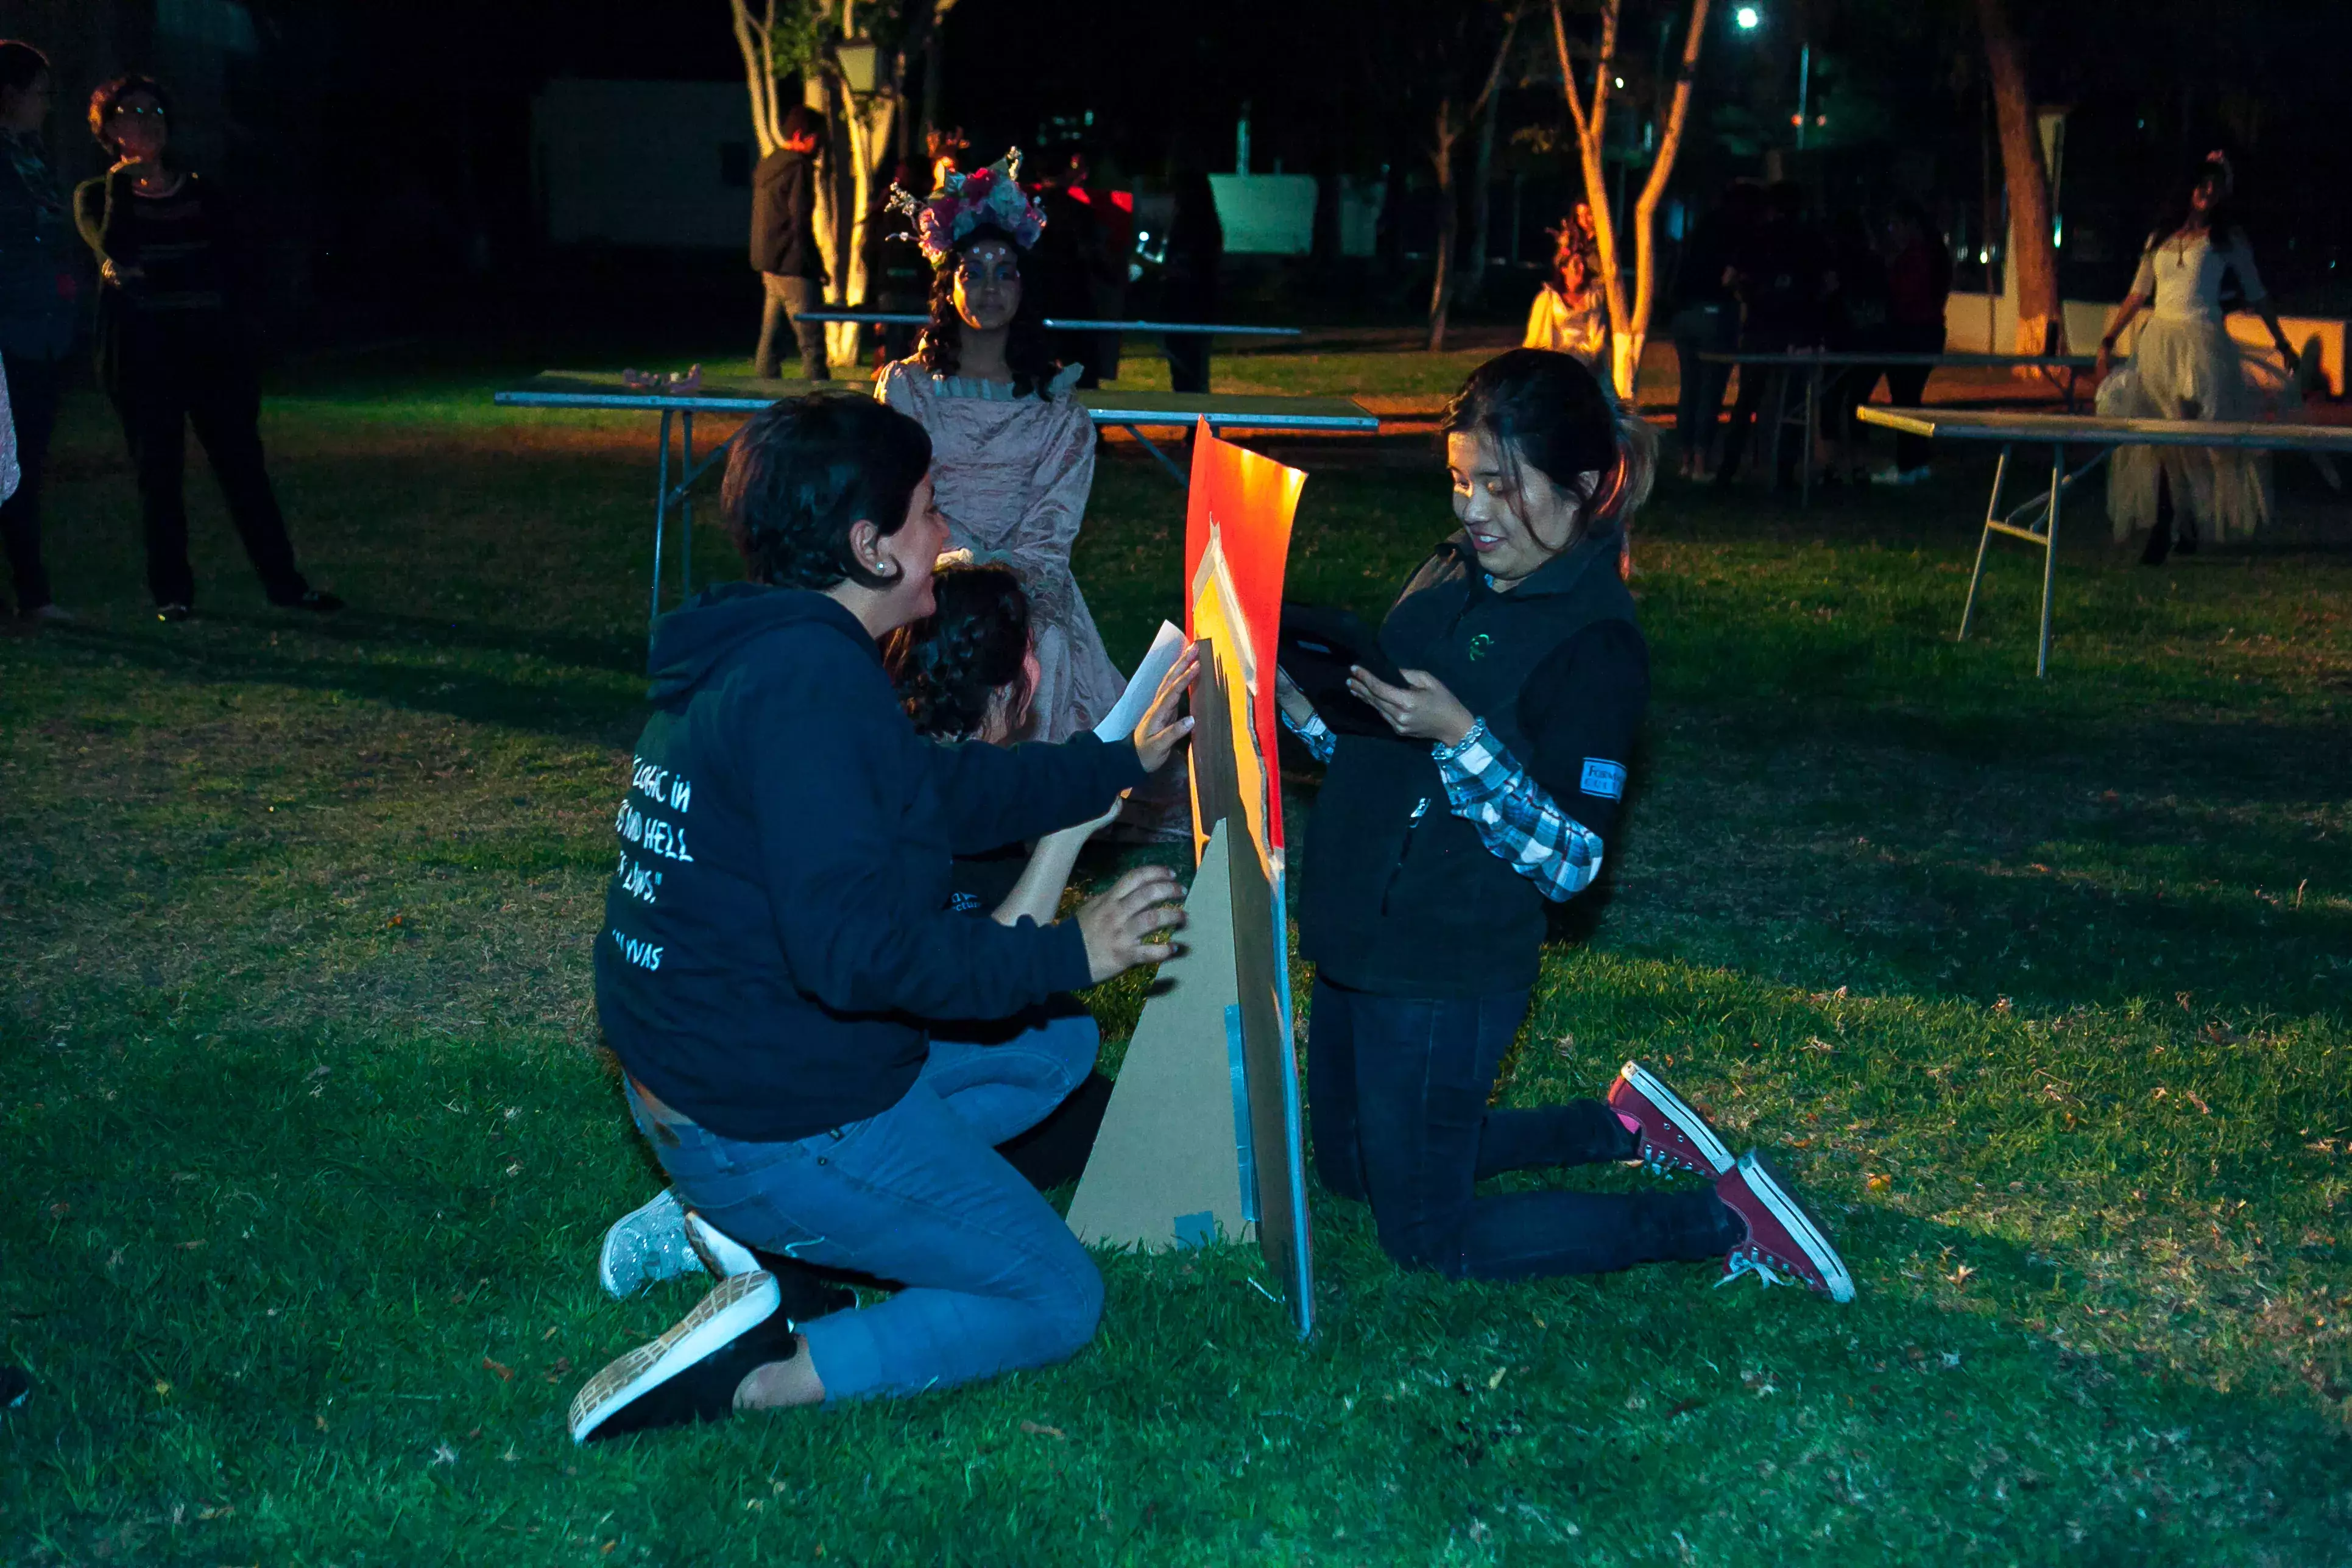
point(1449, 220)
point(1474, 271)
point(1626, 348)
point(1591, 135)
point(2041, 322)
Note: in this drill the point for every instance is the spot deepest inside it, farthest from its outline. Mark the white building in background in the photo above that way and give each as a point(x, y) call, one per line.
point(663, 163)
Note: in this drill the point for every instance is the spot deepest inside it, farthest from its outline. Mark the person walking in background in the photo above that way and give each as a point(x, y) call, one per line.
point(39, 296)
point(785, 252)
point(171, 350)
point(1707, 320)
point(1196, 250)
point(1918, 285)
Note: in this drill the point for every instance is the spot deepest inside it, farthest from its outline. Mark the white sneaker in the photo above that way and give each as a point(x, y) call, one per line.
point(645, 1244)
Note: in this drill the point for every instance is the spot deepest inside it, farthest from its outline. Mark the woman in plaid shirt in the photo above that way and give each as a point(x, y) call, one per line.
point(1433, 851)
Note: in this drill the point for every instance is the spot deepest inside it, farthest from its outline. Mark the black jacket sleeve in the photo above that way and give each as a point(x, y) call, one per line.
point(995, 795)
point(855, 935)
point(1582, 712)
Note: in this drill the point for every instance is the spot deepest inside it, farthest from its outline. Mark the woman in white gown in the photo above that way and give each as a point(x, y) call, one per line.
point(2185, 365)
point(1012, 453)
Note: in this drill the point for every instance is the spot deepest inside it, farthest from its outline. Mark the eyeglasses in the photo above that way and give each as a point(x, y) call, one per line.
point(143, 111)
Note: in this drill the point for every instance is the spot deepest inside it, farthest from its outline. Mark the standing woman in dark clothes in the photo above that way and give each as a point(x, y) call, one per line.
point(1433, 851)
point(39, 290)
point(1196, 250)
point(171, 352)
point(1919, 283)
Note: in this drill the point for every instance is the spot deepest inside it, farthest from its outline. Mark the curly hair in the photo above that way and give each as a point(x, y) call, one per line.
point(1027, 352)
point(950, 667)
point(109, 96)
point(806, 470)
point(1550, 412)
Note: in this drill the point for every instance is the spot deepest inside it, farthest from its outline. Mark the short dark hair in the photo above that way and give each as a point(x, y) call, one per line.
point(799, 122)
point(21, 65)
point(804, 471)
point(1550, 411)
point(110, 95)
point(950, 666)
point(1028, 352)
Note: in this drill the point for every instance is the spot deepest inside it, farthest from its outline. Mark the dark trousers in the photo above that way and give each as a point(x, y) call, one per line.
point(163, 382)
point(1188, 361)
point(787, 297)
point(1907, 383)
point(1697, 330)
point(1397, 1087)
point(35, 385)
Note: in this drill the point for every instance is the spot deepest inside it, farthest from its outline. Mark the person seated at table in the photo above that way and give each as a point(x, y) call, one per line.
point(1013, 451)
point(778, 938)
point(1435, 848)
point(965, 672)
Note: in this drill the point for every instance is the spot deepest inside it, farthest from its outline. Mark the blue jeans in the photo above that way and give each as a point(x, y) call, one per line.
point(994, 1281)
point(1397, 1089)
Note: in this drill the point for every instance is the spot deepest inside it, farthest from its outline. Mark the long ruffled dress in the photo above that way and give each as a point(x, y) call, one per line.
point(2185, 365)
point(1012, 476)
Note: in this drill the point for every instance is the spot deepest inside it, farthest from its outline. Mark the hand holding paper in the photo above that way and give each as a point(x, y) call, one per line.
point(1157, 734)
point(1119, 724)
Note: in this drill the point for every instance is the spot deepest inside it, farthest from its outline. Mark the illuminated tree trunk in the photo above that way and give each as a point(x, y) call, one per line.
point(1629, 319)
point(2040, 321)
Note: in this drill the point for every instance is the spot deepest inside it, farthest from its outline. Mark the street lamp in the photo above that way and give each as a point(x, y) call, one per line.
point(858, 57)
point(1747, 18)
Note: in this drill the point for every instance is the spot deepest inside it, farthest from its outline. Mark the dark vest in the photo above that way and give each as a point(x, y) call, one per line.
point(1404, 899)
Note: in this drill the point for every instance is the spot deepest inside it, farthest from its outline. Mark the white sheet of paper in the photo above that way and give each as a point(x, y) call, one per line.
point(1120, 722)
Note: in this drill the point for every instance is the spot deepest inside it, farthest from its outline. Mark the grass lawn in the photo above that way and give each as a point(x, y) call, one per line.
point(2044, 989)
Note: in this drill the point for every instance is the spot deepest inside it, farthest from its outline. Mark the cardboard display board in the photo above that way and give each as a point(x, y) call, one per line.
point(1174, 1151)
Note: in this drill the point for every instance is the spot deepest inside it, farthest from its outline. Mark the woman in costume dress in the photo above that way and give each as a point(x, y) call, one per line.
point(1012, 453)
point(1571, 313)
point(2185, 365)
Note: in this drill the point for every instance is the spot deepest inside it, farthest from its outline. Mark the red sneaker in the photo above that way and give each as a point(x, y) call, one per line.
point(1674, 1136)
point(1784, 1242)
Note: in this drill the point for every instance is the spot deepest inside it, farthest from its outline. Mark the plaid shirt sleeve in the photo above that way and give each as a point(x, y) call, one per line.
point(1515, 817)
point(1315, 734)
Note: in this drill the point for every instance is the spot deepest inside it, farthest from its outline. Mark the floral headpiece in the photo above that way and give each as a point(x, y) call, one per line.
point(990, 196)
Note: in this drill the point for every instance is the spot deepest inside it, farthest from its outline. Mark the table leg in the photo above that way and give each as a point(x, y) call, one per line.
point(2050, 554)
point(661, 512)
point(1813, 435)
point(686, 512)
point(1182, 481)
point(1984, 541)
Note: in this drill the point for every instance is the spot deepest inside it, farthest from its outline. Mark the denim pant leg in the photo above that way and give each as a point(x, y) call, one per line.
point(1423, 1069)
point(994, 1280)
point(1002, 1088)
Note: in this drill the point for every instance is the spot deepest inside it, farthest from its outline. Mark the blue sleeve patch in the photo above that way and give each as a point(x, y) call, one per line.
point(1604, 779)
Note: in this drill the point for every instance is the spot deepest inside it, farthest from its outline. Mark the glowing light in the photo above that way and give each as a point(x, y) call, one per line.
point(1747, 18)
point(1619, 82)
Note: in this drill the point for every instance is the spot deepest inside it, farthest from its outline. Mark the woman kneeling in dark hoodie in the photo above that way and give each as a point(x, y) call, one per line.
point(778, 933)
